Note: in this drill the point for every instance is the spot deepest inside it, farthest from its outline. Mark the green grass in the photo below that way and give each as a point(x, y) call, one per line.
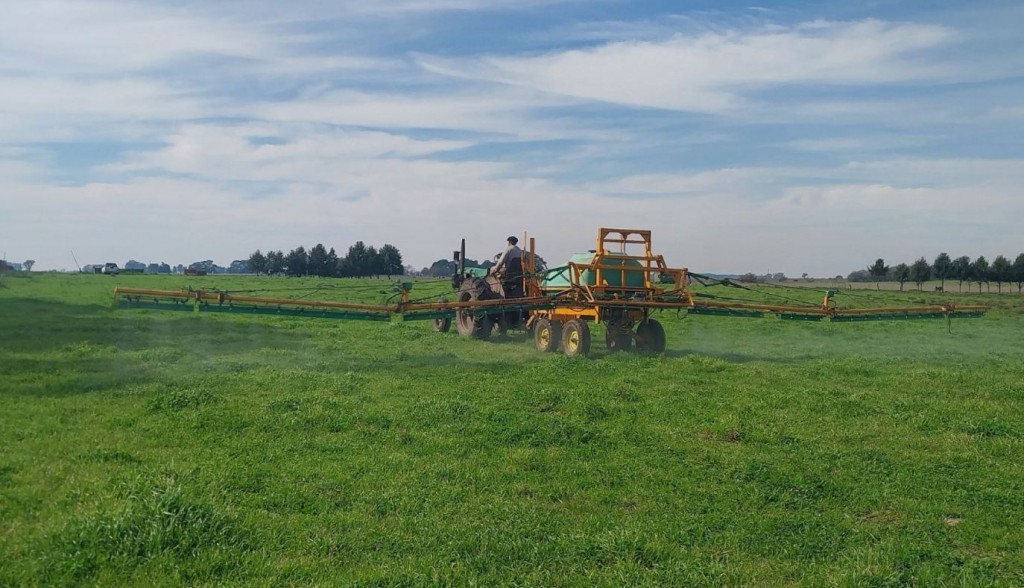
point(148, 447)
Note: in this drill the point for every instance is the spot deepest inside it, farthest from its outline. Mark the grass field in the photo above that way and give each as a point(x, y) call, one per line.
point(149, 447)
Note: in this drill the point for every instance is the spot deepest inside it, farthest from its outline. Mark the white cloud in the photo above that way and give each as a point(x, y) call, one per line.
point(704, 183)
point(708, 72)
point(488, 112)
point(107, 99)
point(275, 153)
point(107, 36)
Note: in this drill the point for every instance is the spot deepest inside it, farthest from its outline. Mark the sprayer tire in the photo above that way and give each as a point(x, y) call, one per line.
point(576, 338)
point(650, 336)
point(617, 340)
point(547, 334)
point(442, 324)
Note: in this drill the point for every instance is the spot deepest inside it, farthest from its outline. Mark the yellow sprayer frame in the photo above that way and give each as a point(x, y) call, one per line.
point(594, 302)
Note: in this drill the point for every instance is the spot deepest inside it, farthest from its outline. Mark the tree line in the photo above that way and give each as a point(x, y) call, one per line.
point(361, 260)
point(962, 269)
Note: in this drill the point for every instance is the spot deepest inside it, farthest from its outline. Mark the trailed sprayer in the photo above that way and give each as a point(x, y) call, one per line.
point(619, 284)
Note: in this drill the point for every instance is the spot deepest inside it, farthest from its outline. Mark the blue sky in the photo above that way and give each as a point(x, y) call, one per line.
point(796, 136)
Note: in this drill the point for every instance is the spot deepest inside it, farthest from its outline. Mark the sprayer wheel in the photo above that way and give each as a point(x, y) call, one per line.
point(618, 338)
point(546, 334)
point(576, 338)
point(650, 336)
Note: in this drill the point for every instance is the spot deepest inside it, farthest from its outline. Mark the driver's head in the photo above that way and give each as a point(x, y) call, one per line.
point(513, 241)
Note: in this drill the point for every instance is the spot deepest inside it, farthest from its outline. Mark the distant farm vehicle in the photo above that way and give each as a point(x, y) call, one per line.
point(596, 286)
point(110, 268)
point(619, 285)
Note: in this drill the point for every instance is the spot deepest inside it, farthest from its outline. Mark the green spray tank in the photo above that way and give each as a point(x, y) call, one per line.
point(625, 282)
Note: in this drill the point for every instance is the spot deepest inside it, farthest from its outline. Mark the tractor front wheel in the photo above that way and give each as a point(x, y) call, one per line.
point(650, 336)
point(576, 338)
point(546, 334)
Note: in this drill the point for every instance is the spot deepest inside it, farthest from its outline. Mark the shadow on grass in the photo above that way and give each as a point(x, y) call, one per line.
point(61, 349)
point(33, 326)
point(57, 349)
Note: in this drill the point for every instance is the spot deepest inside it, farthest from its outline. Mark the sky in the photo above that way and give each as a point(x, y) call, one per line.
point(798, 137)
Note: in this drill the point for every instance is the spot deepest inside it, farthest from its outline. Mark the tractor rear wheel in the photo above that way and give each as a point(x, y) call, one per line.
point(546, 334)
point(576, 338)
point(468, 324)
point(650, 336)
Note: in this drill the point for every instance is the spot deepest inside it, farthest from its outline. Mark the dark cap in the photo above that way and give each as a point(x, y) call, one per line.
point(513, 240)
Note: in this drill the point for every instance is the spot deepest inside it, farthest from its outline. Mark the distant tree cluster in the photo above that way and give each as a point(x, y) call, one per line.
point(361, 260)
point(962, 269)
point(446, 267)
point(763, 278)
point(443, 268)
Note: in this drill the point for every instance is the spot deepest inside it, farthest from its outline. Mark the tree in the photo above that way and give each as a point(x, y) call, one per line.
point(374, 262)
point(333, 263)
point(257, 263)
point(442, 268)
point(979, 271)
point(207, 266)
point(961, 270)
point(879, 271)
point(390, 261)
point(275, 262)
point(1000, 271)
point(358, 261)
point(901, 273)
point(943, 268)
point(920, 272)
point(296, 263)
point(318, 263)
point(28, 264)
point(860, 276)
point(1018, 272)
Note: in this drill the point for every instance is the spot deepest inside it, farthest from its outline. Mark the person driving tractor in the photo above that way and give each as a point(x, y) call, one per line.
point(509, 266)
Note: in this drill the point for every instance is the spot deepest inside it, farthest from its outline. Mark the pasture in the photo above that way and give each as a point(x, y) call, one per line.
point(150, 447)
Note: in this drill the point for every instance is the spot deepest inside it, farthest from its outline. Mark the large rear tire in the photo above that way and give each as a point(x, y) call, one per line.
point(469, 325)
point(576, 338)
point(546, 334)
point(650, 336)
